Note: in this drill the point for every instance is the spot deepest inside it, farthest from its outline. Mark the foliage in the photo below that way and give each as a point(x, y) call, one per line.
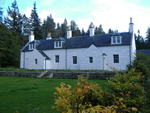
point(88, 97)
point(141, 64)
point(13, 20)
point(9, 48)
point(35, 23)
point(130, 82)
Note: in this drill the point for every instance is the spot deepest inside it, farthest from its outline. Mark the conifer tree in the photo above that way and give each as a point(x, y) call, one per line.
point(58, 31)
point(64, 28)
point(14, 19)
point(110, 31)
point(35, 23)
point(83, 32)
point(148, 35)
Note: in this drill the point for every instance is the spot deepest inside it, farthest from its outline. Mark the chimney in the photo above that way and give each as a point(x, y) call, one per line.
point(69, 32)
point(91, 29)
point(31, 37)
point(48, 36)
point(131, 26)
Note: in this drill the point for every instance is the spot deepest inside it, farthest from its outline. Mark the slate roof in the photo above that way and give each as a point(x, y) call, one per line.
point(99, 40)
point(43, 54)
point(147, 52)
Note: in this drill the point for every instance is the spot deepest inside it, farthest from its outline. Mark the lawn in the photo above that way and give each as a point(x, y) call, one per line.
point(25, 94)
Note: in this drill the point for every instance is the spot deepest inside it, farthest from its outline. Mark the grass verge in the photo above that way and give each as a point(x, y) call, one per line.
point(25, 94)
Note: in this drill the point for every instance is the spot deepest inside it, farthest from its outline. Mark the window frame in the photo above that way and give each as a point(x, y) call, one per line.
point(35, 61)
point(116, 58)
point(90, 60)
point(56, 60)
point(74, 59)
point(31, 46)
point(115, 38)
point(58, 44)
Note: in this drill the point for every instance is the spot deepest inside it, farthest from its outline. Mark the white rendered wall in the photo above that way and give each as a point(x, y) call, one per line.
point(62, 58)
point(124, 56)
point(30, 57)
point(48, 64)
point(21, 59)
point(133, 48)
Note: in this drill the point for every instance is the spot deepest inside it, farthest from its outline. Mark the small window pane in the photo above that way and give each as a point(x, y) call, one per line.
point(57, 58)
point(91, 59)
point(118, 39)
point(56, 44)
point(59, 43)
point(35, 61)
point(116, 58)
point(30, 46)
point(114, 39)
point(74, 59)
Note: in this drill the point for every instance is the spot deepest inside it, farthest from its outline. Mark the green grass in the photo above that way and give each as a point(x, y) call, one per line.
point(25, 94)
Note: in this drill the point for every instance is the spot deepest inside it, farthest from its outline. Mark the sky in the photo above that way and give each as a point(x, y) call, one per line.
point(114, 14)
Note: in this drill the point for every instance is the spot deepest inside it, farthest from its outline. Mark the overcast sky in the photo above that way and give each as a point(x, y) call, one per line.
point(114, 14)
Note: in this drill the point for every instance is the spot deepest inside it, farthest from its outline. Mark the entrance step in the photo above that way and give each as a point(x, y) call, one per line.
point(42, 74)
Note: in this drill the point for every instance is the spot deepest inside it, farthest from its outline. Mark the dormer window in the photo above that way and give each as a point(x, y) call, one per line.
point(116, 40)
point(31, 46)
point(58, 44)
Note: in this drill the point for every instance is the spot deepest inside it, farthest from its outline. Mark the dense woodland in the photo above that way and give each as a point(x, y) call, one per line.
point(16, 27)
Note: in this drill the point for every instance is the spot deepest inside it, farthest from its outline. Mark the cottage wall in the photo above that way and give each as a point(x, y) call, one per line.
point(30, 57)
point(124, 56)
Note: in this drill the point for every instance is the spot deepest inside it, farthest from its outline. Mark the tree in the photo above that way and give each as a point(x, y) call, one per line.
point(13, 20)
point(83, 32)
point(58, 31)
point(9, 48)
point(99, 30)
point(64, 28)
point(35, 23)
point(75, 29)
point(110, 31)
point(148, 35)
point(26, 28)
point(1, 14)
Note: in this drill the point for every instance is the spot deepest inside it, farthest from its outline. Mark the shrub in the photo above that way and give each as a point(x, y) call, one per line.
point(88, 97)
point(125, 83)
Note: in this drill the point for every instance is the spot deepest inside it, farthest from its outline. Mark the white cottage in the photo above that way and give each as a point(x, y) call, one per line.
point(91, 52)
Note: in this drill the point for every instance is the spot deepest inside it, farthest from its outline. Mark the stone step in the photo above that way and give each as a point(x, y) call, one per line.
point(42, 74)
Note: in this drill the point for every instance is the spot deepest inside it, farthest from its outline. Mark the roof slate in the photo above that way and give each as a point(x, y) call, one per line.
point(83, 41)
point(43, 54)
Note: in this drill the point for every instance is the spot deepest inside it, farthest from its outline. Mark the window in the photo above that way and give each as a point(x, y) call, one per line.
point(116, 58)
point(59, 43)
point(56, 44)
point(91, 59)
point(56, 58)
point(31, 46)
point(118, 39)
point(74, 59)
point(114, 39)
point(35, 61)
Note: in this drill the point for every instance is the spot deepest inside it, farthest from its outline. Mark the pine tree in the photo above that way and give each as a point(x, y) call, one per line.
point(75, 29)
point(64, 28)
point(83, 32)
point(1, 14)
point(148, 35)
point(14, 19)
point(110, 31)
point(50, 26)
point(26, 25)
point(58, 31)
point(35, 23)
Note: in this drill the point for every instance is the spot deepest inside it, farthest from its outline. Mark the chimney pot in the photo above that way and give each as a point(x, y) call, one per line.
point(131, 20)
point(31, 32)
point(48, 34)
